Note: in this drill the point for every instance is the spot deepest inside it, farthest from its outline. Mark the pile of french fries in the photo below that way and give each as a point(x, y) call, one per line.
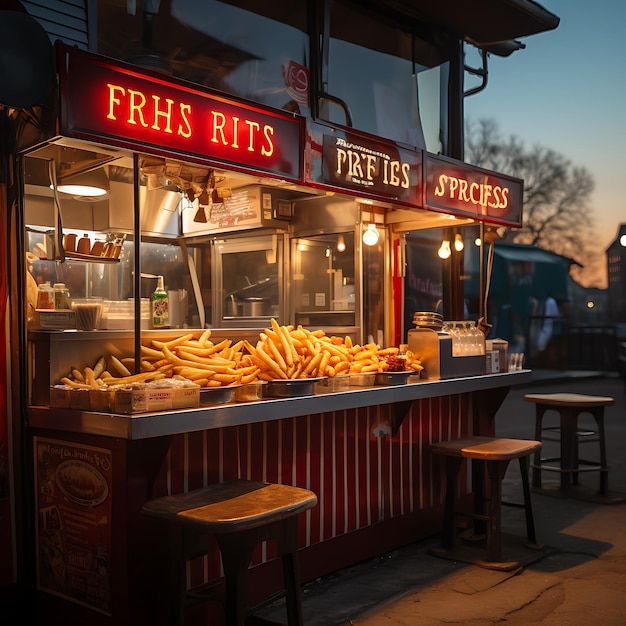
point(281, 353)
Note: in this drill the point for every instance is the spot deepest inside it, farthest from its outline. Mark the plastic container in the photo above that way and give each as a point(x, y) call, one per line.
point(88, 313)
point(45, 296)
point(250, 392)
point(61, 296)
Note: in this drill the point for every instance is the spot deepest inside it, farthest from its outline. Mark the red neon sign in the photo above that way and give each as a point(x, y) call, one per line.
point(101, 99)
point(453, 187)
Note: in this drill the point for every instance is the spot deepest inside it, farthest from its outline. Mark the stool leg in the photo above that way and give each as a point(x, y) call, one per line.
point(236, 550)
point(598, 414)
point(178, 575)
point(453, 467)
point(539, 411)
point(569, 443)
point(287, 545)
point(496, 470)
point(528, 508)
point(479, 479)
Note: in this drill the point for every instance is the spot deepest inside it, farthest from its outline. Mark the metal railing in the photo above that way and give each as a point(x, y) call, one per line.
point(571, 346)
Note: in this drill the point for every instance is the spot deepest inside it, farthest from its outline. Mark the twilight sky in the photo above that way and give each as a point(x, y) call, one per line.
point(567, 91)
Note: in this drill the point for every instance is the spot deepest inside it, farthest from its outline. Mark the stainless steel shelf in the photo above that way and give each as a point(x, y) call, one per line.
point(166, 423)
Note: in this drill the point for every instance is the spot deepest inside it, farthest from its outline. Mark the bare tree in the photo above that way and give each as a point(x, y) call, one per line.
point(556, 213)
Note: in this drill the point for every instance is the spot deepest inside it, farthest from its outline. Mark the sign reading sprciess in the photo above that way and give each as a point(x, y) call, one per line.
point(102, 99)
point(454, 187)
point(354, 162)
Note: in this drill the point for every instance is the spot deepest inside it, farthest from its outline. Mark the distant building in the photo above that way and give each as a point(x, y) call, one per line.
point(616, 266)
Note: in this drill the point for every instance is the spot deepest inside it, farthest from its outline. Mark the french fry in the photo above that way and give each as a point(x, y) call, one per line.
point(129, 363)
point(148, 352)
point(249, 378)
point(270, 363)
point(90, 379)
point(99, 367)
point(204, 337)
point(310, 369)
point(276, 355)
point(78, 375)
point(72, 383)
point(173, 343)
point(342, 366)
point(324, 362)
point(282, 338)
point(119, 366)
point(135, 378)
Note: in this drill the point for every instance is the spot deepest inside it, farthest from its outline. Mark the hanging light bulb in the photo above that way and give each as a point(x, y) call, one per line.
point(478, 242)
point(371, 235)
point(341, 244)
point(458, 243)
point(444, 251)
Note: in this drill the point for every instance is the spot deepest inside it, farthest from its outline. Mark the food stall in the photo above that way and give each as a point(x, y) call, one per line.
point(231, 306)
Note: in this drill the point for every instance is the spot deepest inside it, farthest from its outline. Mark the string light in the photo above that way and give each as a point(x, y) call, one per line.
point(371, 235)
point(444, 251)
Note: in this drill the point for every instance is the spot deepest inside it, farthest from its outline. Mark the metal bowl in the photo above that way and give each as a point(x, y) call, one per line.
point(210, 396)
point(393, 378)
point(290, 388)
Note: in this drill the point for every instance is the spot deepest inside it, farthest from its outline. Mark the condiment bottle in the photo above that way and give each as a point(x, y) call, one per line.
point(45, 296)
point(84, 244)
point(160, 306)
point(61, 296)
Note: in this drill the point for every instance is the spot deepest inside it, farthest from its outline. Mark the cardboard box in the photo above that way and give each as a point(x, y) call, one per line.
point(145, 400)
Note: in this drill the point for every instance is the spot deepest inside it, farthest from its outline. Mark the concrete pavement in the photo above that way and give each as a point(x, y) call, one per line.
point(578, 580)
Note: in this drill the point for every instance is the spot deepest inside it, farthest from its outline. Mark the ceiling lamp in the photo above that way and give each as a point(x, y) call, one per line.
point(444, 251)
point(88, 184)
point(458, 243)
point(371, 235)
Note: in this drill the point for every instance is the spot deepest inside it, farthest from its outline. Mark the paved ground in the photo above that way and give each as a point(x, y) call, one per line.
point(578, 580)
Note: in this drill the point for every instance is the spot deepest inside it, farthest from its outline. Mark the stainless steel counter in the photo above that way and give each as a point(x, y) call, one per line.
point(147, 425)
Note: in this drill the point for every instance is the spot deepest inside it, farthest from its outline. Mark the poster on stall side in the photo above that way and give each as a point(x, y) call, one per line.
point(73, 499)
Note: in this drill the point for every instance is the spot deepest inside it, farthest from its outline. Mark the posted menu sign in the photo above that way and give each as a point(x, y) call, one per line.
point(73, 500)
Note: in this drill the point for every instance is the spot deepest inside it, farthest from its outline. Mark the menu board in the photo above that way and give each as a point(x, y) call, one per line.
point(73, 527)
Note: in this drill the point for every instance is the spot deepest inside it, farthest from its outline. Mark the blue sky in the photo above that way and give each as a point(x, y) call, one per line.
point(567, 91)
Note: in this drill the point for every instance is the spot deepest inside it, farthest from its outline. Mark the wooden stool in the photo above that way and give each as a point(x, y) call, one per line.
point(241, 514)
point(496, 454)
point(569, 406)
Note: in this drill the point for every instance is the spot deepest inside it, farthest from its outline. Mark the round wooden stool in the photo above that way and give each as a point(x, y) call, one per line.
point(569, 406)
point(241, 514)
point(495, 454)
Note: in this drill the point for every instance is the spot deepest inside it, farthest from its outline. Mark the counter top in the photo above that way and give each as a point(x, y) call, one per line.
point(166, 423)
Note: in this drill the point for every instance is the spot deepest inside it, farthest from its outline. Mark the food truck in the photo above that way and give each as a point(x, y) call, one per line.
point(204, 277)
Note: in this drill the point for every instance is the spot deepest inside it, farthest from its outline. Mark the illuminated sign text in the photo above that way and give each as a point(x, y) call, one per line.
point(479, 194)
point(459, 189)
point(103, 100)
point(360, 164)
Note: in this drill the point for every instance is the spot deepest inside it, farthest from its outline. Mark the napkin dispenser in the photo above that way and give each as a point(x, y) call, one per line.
point(434, 349)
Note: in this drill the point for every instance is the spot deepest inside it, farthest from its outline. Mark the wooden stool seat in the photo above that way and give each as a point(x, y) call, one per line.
point(569, 406)
point(493, 455)
point(486, 448)
point(241, 514)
